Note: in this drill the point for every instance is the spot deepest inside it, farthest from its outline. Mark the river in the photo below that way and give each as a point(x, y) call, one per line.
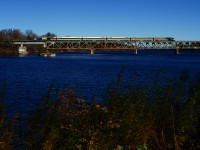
point(28, 78)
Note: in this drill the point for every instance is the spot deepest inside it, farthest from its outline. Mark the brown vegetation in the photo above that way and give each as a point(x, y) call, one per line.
point(162, 117)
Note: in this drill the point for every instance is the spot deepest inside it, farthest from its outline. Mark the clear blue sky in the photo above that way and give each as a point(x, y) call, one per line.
point(140, 18)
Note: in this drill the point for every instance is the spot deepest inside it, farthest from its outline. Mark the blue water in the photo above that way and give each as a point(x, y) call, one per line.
point(28, 78)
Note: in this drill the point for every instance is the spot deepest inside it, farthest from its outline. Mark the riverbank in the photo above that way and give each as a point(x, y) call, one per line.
point(13, 50)
point(8, 52)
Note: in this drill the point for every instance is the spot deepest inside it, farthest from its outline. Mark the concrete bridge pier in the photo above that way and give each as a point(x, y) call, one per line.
point(177, 50)
point(22, 50)
point(91, 51)
point(44, 45)
point(135, 50)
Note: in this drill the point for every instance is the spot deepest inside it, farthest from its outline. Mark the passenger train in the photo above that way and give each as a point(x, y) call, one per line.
point(68, 38)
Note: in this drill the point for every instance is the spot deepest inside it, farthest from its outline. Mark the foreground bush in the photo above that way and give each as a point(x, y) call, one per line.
point(163, 117)
point(6, 127)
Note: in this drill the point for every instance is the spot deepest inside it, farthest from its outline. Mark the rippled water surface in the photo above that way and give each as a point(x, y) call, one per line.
point(28, 78)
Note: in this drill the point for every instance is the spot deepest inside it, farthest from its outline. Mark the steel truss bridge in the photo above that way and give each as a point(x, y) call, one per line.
point(103, 45)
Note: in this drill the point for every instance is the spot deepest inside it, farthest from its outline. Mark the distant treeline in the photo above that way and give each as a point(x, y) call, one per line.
point(17, 34)
point(8, 35)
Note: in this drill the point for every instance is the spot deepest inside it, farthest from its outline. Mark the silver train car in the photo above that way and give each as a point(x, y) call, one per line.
point(74, 38)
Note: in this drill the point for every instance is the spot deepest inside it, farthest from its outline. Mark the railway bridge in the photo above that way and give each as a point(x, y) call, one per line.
point(93, 44)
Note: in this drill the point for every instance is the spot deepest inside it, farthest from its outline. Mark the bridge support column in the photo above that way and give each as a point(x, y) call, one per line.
point(135, 50)
point(91, 52)
point(44, 45)
point(22, 50)
point(177, 50)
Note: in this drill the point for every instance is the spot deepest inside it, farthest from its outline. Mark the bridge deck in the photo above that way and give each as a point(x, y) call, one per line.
point(93, 44)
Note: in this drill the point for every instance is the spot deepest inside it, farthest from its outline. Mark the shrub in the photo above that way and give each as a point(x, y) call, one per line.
point(165, 116)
